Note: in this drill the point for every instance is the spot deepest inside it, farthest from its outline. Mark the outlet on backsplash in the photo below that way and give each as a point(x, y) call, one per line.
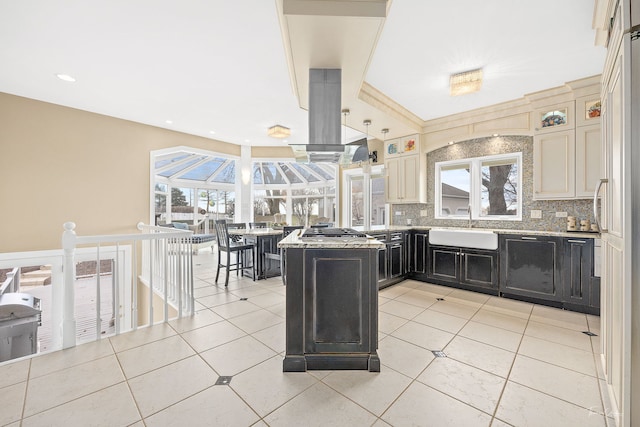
point(561, 214)
point(536, 213)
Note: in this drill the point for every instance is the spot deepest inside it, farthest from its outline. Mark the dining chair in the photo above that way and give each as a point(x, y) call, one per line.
point(240, 249)
point(257, 225)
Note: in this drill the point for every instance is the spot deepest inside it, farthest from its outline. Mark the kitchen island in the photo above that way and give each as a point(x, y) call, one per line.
point(331, 301)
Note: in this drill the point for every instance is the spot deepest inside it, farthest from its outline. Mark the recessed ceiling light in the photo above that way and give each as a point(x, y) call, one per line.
point(247, 140)
point(212, 132)
point(66, 77)
point(169, 122)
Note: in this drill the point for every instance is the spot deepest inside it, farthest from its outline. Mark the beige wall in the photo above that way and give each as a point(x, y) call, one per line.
point(60, 164)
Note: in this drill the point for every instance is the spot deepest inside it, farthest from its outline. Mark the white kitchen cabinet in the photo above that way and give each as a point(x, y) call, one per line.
point(554, 165)
point(402, 176)
point(405, 171)
point(587, 160)
point(566, 164)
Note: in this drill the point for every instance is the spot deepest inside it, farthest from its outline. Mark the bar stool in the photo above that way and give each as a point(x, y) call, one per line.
point(227, 245)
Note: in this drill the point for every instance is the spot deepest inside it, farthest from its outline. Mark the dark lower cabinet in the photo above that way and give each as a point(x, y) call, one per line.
point(395, 250)
point(418, 263)
point(479, 268)
point(531, 268)
point(466, 268)
point(581, 288)
point(331, 309)
point(391, 258)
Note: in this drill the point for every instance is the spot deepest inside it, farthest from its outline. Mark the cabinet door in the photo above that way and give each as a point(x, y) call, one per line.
point(479, 268)
point(530, 266)
point(554, 165)
point(578, 259)
point(393, 181)
point(338, 300)
point(410, 179)
point(383, 265)
point(396, 259)
point(587, 160)
point(443, 263)
point(383, 259)
point(419, 253)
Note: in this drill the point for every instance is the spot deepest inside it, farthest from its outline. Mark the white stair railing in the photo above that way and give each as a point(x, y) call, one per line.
point(12, 282)
point(158, 257)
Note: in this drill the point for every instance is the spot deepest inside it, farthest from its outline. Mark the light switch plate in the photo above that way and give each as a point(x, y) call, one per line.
point(536, 213)
point(561, 214)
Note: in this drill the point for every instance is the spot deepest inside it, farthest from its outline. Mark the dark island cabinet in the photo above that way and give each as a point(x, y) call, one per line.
point(531, 268)
point(466, 268)
point(581, 288)
point(331, 309)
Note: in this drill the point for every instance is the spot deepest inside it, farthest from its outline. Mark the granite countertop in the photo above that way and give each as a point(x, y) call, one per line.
point(574, 234)
point(256, 232)
point(293, 240)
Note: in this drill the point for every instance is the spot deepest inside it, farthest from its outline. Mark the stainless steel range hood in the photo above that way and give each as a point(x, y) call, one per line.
point(325, 141)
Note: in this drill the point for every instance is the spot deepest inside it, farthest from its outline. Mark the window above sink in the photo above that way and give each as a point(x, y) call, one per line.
point(479, 188)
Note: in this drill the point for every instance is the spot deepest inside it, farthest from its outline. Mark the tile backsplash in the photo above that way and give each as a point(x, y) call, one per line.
point(581, 209)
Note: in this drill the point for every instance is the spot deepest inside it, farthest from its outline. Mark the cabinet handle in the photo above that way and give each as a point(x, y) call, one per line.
point(576, 241)
point(529, 238)
point(595, 204)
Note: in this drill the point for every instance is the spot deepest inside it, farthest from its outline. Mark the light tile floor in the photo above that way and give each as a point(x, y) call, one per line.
point(508, 363)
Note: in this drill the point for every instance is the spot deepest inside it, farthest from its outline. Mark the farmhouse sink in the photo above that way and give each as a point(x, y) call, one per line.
point(479, 239)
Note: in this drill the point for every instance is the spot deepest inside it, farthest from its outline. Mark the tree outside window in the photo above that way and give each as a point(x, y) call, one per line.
point(490, 186)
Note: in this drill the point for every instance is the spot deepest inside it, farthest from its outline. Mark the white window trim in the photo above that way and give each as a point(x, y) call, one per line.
point(347, 175)
point(475, 193)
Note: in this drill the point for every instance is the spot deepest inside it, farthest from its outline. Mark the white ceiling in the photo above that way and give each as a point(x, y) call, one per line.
point(221, 65)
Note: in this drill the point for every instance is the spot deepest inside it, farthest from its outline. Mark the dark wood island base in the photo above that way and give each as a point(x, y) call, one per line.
point(331, 305)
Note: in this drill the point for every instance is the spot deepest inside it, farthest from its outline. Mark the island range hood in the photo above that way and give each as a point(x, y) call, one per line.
point(325, 141)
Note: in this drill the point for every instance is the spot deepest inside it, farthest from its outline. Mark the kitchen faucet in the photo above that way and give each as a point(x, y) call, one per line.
point(469, 209)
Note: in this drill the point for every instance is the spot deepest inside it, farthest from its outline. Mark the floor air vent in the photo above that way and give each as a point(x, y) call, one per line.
point(438, 353)
point(223, 380)
point(591, 334)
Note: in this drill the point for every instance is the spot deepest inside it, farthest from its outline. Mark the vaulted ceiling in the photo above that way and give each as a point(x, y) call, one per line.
point(226, 69)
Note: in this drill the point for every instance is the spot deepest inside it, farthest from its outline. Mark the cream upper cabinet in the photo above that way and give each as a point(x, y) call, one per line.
point(554, 165)
point(587, 160)
point(405, 169)
point(566, 164)
point(566, 149)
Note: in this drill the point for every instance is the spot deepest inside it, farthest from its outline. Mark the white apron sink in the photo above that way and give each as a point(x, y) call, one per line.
point(479, 239)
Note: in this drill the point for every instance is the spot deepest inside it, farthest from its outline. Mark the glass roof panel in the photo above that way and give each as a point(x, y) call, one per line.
point(204, 171)
point(227, 175)
point(291, 176)
point(174, 158)
point(257, 173)
point(271, 174)
point(302, 169)
point(320, 171)
point(182, 166)
point(217, 169)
